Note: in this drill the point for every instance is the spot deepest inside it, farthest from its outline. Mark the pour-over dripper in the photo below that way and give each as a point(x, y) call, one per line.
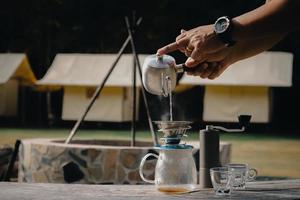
point(172, 131)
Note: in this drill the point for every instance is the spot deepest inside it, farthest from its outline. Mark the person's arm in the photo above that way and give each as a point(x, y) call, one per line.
point(255, 31)
point(253, 47)
point(274, 17)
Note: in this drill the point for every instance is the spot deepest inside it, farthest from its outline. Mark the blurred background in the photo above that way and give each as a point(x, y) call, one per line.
point(43, 28)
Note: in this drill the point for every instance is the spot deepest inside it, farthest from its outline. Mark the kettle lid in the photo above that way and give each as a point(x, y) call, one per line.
point(160, 61)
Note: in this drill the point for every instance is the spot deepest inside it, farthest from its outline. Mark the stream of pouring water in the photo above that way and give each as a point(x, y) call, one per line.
point(170, 97)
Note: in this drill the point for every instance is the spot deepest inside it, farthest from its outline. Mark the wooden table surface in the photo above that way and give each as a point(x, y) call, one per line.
point(283, 189)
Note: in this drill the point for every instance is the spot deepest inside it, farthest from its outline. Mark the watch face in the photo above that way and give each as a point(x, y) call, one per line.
point(221, 24)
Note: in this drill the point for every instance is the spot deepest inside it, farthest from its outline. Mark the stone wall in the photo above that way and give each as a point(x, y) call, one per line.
point(89, 162)
point(6, 152)
point(5, 155)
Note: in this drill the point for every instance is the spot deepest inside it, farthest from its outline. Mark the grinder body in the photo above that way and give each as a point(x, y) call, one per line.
point(209, 155)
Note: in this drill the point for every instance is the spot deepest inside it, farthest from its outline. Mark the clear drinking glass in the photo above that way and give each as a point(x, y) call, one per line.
point(242, 173)
point(221, 178)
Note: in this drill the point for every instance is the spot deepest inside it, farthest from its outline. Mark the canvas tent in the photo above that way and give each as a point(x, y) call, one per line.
point(79, 74)
point(14, 70)
point(244, 87)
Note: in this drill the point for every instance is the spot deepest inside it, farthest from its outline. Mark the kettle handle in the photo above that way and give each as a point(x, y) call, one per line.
point(142, 166)
point(181, 68)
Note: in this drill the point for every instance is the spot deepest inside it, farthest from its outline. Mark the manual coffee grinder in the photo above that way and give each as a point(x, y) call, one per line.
point(210, 150)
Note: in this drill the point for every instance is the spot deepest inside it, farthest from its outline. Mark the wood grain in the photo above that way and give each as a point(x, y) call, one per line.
point(264, 190)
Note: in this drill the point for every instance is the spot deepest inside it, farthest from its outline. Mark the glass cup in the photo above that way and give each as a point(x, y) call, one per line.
point(221, 178)
point(242, 173)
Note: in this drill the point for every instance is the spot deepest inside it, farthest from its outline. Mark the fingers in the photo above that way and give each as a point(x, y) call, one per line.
point(190, 62)
point(198, 70)
point(210, 70)
point(168, 48)
point(180, 37)
point(214, 57)
point(218, 70)
point(195, 43)
point(206, 44)
point(180, 44)
point(197, 54)
point(188, 49)
point(183, 34)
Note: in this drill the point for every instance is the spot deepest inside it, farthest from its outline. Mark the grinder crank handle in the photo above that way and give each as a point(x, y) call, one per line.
point(181, 68)
point(244, 121)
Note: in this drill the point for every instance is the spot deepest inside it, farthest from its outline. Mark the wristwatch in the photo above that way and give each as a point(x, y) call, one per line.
point(223, 28)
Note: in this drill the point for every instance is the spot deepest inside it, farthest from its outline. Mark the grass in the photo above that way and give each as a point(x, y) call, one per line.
point(271, 155)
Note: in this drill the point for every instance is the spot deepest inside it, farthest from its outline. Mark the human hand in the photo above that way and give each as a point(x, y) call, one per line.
point(219, 61)
point(214, 65)
point(203, 48)
point(196, 43)
point(215, 58)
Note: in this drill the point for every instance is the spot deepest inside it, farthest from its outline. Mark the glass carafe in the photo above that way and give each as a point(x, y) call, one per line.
point(175, 170)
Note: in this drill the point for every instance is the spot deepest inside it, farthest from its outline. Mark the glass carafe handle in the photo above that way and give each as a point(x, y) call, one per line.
point(252, 173)
point(142, 166)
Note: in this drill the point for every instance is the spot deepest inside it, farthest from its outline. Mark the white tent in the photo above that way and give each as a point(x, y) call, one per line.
point(14, 70)
point(244, 87)
point(79, 74)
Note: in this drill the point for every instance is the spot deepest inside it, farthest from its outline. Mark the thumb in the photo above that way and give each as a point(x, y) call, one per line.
point(190, 62)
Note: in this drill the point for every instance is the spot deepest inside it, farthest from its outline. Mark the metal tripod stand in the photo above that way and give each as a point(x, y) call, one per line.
point(99, 88)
